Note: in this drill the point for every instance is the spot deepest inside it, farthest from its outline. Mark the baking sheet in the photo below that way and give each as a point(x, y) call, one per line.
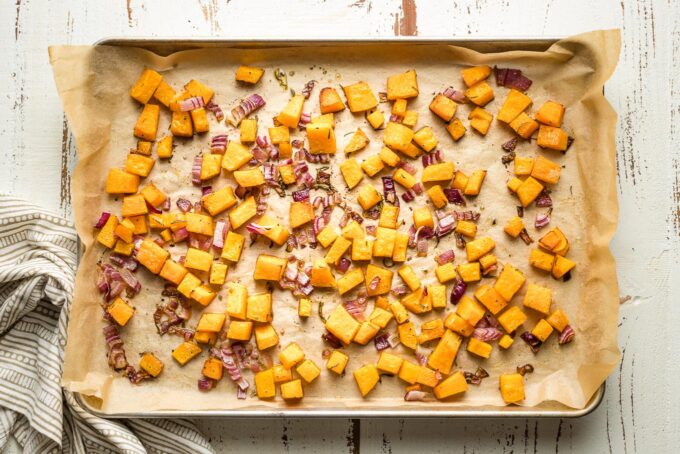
point(93, 83)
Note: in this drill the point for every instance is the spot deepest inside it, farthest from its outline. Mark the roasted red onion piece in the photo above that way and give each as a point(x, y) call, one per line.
point(566, 336)
point(445, 257)
point(458, 290)
point(116, 350)
point(544, 200)
point(455, 95)
point(510, 145)
point(531, 340)
point(205, 384)
point(247, 106)
point(102, 220)
point(381, 341)
point(192, 103)
point(216, 110)
point(511, 78)
point(196, 170)
point(389, 191)
point(454, 196)
point(415, 395)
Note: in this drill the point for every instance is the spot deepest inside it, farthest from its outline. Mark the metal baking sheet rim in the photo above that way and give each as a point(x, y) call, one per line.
point(169, 45)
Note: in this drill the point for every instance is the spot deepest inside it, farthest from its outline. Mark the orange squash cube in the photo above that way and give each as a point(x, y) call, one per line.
point(151, 364)
point(551, 113)
point(146, 85)
point(402, 86)
point(443, 107)
point(329, 101)
point(164, 94)
point(269, 268)
point(515, 103)
point(321, 138)
point(480, 94)
point(185, 352)
point(552, 138)
point(213, 368)
point(119, 181)
point(147, 123)
point(249, 74)
point(120, 311)
point(475, 74)
point(173, 272)
point(152, 256)
point(360, 97)
point(524, 125)
point(367, 377)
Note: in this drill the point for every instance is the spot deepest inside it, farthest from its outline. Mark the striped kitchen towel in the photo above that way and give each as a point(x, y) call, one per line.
point(37, 274)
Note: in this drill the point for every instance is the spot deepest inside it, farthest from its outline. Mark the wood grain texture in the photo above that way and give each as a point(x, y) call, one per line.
point(639, 413)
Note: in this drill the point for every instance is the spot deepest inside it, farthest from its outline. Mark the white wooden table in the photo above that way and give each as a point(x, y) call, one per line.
point(640, 410)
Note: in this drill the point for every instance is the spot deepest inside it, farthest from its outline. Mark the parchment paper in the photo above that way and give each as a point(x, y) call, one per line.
point(93, 83)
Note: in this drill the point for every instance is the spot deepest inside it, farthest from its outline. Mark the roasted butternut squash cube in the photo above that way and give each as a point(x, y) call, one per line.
point(562, 266)
point(475, 74)
point(460, 180)
point(479, 247)
point(407, 335)
point(292, 390)
point(404, 178)
point(243, 212)
point(400, 247)
point(249, 178)
point(308, 370)
point(382, 276)
point(470, 310)
point(198, 259)
point(558, 320)
point(542, 330)
point(514, 183)
point(173, 272)
point(322, 276)
point(474, 184)
point(389, 216)
point(350, 280)
point(165, 147)
point(188, 284)
point(337, 361)
point(458, 325)
point(360, 97)
point(134, 205)
point(249, 74)
point(137, 164)
point(218, 273)
point(456, 129)
point(480, 93)
point(260, 308)
point(210, 166)
point(554, 241)
point(287, 173)
point(203, 295)
point(466, 228)
point(452, 385)
point(106, 235)
point(300, 213)
point(552, 138)
point(389, 157)
point(154, 196)
point(237, 301)
point(265, 336)
point(487, 262)
point(185, 352)
point(437, 294)
point(479, 348)
point(409, 277)
point(469, 272)
point(480, 120)
point(438, 172)
point(397, 136)
point(181, 125)
point(152, 256)
point(120, 311)
point(351, 172)
point(433, 329)
point(196, 88)
point(164, 94)
point(177, 99)
point(541, 260)
point(119, 181)
point(124, 248)
point(523, 166)
point(321, 138)
point(372, 165)
point(545, 170)
point(233, 246)
point(353, 230)
point(422, 217)
point(337, 250)
point(551, 113)
point(329, 101)
point(342, 325)
point(269, 267)
point(358, 142)
point(376, 119)
point(409, 372)
point(512, 319)
point(211, 322)
point(380, 317)
point(385, 240)
point(367, 331)
point(427, 377)
point(425, 139)
point(147, 123)
point(368, 196)
point(389, 363)
point(367, 376)
point(417, 302)
point(239, 330)
point(402, 86)
point(146, 85)
point(443, 107)
point(528, 191)
point(362, 249)
point(326, 236)
point(273, 230)
point(524, 125)
point(199, 118)
point(515, 103)
point(442, 357)
point(437, 196)
point(248, 130)
point(149, 363)
point(219, 201)
point(505, 342)
point(512, 388)
point(399, 311)
point(491, 299)
point(235, 156)
point(383, 303)
point(509, 282)
point(265, 384)
point(399, 107)
point(445, 272)
point(538, 298)
point(290, 115)
point(200, 223)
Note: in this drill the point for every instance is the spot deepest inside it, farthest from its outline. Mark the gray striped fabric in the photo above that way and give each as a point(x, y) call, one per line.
point(37, 273)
